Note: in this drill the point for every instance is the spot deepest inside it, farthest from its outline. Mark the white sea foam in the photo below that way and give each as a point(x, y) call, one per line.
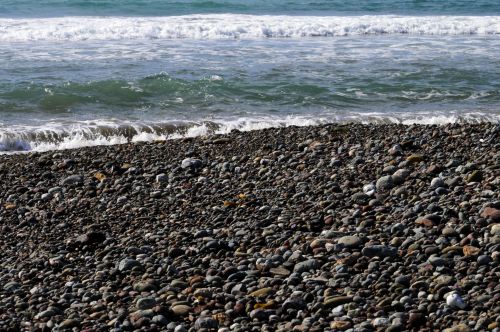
point(56, 136)
point(237, 26)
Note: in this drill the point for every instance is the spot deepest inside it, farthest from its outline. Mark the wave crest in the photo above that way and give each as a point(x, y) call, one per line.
point(236, 26)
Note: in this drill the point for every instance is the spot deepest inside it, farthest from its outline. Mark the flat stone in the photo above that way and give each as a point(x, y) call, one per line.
point(350, 241)
point(261, 292)
point(73, 179)
point(45, 314)
point(380, 251)
point(306, 266)
point(340, 325)
point(181, 310)
point(191, 163)
point(415, 158)
point(177, 283)
point(146, 286)
point(280, 271)
point(333, 301)
point(145, 303)
point(11, 286)
point(128, 264)
point(437, 261)
point(69, 323)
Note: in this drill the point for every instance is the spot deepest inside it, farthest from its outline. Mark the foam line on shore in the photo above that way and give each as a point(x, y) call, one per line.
point(58, 136)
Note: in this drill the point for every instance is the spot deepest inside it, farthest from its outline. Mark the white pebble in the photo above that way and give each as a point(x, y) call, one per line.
point(454, 300)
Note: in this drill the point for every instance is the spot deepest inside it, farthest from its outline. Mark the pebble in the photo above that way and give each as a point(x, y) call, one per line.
point(191, 163)
point(495, 229)
point(145, 303)
point(71, 180)
point(385, 183)
point(306, 266)
point(334, 301)
point(281, 229)
point(205, 323)
point(369, 189)
point(128, 264)
point(400, 176)
point(491, 214)
point(181, 310)
point(454, 300)
point(437, 182)
point(458, 328)
point(379, 250)
point(350, 241)
point(11, 286)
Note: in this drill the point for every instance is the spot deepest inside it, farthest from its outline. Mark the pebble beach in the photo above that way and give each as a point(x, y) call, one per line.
point(337, 227)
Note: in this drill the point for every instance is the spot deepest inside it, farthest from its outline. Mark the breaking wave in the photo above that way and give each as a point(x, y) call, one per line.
point(55, 136)
point(238, 26)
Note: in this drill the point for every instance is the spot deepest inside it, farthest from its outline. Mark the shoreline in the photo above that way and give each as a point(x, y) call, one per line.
point(328, 227)
point(38, 141)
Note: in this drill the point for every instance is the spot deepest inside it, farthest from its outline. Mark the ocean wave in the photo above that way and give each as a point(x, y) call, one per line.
point(237, 26)
point(58, 136)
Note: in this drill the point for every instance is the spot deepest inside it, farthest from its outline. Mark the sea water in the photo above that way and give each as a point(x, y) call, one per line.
point(79, 72)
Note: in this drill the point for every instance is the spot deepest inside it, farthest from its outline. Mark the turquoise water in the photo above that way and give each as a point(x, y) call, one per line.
point(55, 8)
point(76, 73)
